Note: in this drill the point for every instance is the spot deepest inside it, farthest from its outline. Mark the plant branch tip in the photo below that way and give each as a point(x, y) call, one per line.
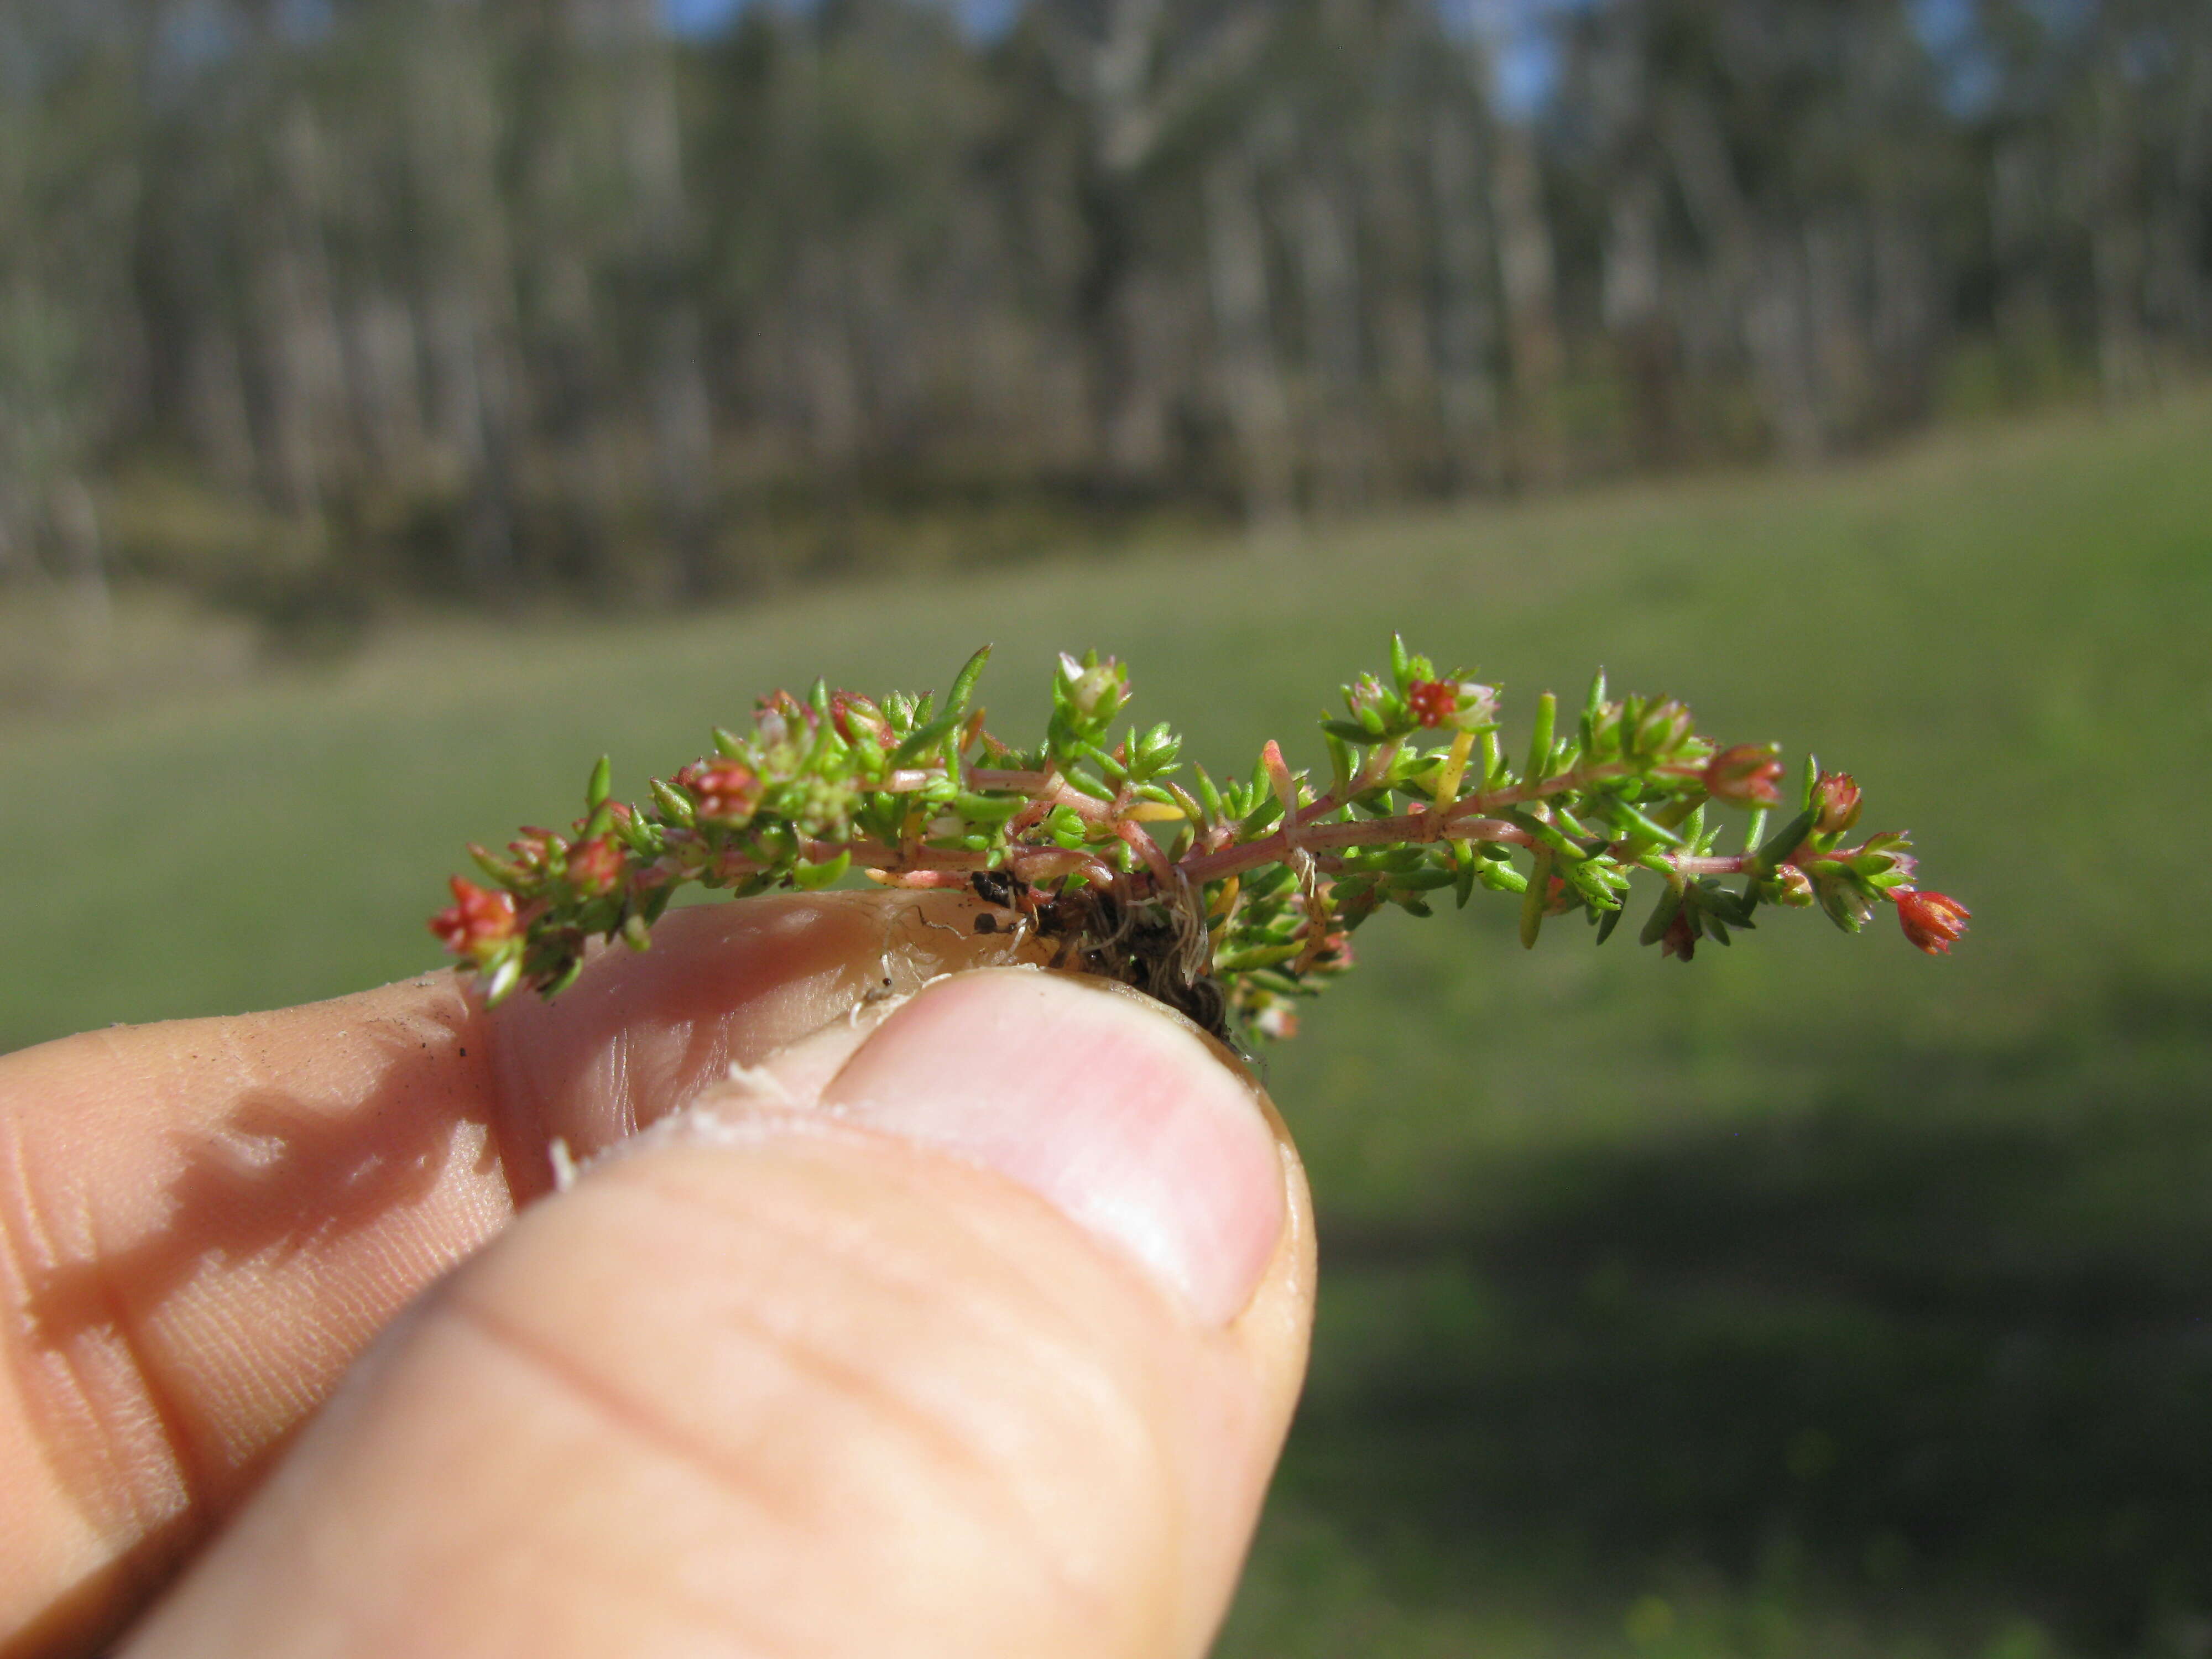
point(1227, 901)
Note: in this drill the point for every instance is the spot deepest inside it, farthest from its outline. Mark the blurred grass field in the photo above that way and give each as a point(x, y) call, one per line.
point(1818, 1298)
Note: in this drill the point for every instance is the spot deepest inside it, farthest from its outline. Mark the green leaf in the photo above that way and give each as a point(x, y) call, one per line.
point(1540, 740)
point(1599, 882)
point(1088, 782)
point(602, 784)
point(1753, 828)
point(1423, 881)
point(1548, 836)
point(1501, 878)
point(926, 739)
point(497, 868)
point(1533, 901)
point(1401, 664)
point(1591, 705)
point(1627, 818)
point(1663, 915)
point(1729, 906)
point(1260, 816)
point(1112, 770)
point(503, 979)
point(1208, 796)
point(1785, 840)
point(674, 806)
point(1342, 763)
point(1258, 955)
point(813, 877)
point(988, 809)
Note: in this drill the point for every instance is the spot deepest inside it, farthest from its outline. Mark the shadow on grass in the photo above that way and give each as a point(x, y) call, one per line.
point(1946, 1335)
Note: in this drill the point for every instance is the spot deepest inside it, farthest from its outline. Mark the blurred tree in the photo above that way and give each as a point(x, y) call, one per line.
point(491, 296)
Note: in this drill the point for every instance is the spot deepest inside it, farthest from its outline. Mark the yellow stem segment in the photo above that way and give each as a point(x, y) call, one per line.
point(1454, 768)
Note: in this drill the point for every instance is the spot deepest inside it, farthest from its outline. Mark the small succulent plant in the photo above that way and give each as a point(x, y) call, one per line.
point(1225, 899)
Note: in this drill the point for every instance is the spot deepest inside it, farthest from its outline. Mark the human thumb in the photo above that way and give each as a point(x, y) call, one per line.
point(974, 1332)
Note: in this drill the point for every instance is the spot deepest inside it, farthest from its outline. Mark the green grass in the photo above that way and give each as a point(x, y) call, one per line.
point(1815, 1299)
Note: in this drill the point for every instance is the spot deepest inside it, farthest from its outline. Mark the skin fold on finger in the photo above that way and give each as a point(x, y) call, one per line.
point(203, 1224)
point(769, 1381)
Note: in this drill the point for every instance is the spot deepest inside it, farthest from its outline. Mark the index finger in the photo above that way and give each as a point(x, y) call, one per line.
point(202, 1223)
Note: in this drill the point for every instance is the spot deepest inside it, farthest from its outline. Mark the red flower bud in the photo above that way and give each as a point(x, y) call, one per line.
point(1934, 921)
point(1680, 938)
point(1431, 702)
point(596, 866)
point(725, 791)
point(477, 922)
point(1461, 703)
point(1745, 775)
point(1837, 798)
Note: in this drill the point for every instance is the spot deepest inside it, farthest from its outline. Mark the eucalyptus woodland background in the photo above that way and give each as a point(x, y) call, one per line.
point(306, 302)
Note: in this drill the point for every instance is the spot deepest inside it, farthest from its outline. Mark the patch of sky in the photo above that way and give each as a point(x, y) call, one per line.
point(189, 37)
point(1951, 32)
point(703, 19)
point(1521, 39)
point(304, 21)
point(699, 20)
point(1519, 36)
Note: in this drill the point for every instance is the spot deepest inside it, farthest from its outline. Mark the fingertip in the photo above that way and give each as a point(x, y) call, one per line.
point(1103, 1104)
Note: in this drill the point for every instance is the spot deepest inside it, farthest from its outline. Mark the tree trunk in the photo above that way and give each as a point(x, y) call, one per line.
point(1759, 273)
point(305, 359)
point(681, 418)
point(466, 319)
point(1530, 282)
point(1631, 298)
point(1338, 442)
point(2117, 250)
point(1250, 383)
point(1467, 308)
point(92, 608)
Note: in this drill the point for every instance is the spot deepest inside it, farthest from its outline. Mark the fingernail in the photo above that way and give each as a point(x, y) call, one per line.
point(1116, 1114)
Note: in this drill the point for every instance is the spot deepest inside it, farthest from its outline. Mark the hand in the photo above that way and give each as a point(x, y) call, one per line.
point(963, 1317)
